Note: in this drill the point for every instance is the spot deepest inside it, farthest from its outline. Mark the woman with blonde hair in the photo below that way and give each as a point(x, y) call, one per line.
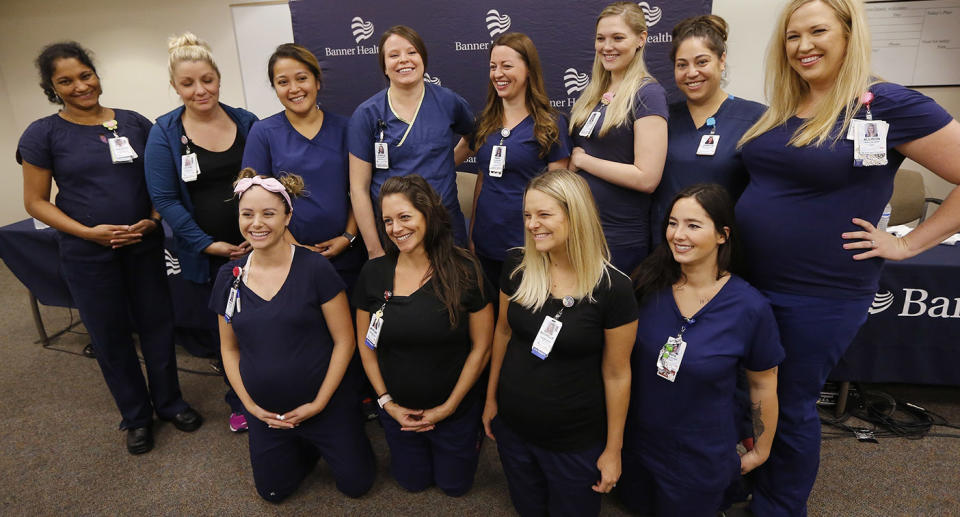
point(287, 342)
point(559, 373)
point(192, 157)
point(517, 118)
point(808, 161)
point(619, 130)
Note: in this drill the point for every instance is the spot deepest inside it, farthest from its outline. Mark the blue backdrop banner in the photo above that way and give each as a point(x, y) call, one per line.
point(457, 33)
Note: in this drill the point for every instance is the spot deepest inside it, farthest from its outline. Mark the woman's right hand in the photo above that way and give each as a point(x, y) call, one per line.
point(489, 412)
point(225, 249)
point(271, 419)
point(109, 235)
point(411, 419)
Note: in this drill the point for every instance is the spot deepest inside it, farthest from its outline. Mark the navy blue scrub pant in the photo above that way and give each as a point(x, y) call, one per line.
point(645, 494)
point(107, 293)
point(446, 456)
point(815, 333)
point(282, 458)
point(544, 482)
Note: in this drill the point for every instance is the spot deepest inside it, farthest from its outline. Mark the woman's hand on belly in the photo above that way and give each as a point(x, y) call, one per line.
point(273, 420)
point(332, 247)
point(301, 413)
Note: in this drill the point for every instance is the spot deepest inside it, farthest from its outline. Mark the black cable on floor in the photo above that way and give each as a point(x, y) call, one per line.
point(889, 418)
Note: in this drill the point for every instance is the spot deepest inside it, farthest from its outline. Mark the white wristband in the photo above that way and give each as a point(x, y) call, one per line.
point(384, 400)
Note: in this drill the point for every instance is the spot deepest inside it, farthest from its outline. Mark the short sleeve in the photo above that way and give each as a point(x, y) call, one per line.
point(221, 288)
point(764, 350)
point(561, 148)
point(509, 284)
point(651, 100)
point(359, 131)
point(911, 114)
point(34, 145)
point(256, 152)
point(478, 297)
point(619, 304)
point(325, 277)
point(143, 122)
point(367, 293)
point(463, 120)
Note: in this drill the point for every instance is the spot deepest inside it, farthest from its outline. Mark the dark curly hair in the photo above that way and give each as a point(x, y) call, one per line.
point(46, 64)
point(454, 269)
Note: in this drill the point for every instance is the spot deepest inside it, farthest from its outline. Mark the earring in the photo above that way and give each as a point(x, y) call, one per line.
point(723, 74)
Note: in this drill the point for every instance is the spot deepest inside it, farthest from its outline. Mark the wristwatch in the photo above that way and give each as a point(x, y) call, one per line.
point(350, 237)
point(384, 399)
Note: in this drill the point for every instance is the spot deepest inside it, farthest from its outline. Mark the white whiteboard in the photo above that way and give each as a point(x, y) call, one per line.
point(258, 29)
point(916, 43)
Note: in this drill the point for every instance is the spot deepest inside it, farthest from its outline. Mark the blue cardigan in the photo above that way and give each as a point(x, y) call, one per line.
point(170, 195)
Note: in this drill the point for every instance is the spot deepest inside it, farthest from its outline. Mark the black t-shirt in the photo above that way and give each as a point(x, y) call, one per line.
point(558, 403)
point(420, 356)
point(214, 205)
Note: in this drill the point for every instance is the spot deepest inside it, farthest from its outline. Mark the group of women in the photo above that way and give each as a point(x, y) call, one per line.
point(585, 378)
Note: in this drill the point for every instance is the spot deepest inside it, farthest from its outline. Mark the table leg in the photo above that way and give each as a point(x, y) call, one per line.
point(38, 320)
point(842, 399)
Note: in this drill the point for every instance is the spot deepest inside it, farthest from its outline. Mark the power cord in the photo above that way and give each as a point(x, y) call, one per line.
point(889, 418)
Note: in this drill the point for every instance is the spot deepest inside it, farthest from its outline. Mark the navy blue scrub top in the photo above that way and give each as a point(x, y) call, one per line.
point(499, 212)
point(274, 147)
point(91, 188)
point(624, 212)
point(684, 168)
point(687, 428)
point(801, 199)
point(427, 150)
point(285, 345)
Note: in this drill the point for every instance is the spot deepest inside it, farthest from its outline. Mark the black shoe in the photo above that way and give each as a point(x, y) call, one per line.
point(187, 421)
point(140, 439)
point(88, 351)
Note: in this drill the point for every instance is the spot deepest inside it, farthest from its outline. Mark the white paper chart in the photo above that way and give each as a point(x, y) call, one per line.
point(916, 43)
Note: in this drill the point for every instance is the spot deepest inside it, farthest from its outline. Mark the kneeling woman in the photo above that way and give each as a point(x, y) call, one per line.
point(698, 323)
point(287, 340)
point(560, 369)
point(424, 326)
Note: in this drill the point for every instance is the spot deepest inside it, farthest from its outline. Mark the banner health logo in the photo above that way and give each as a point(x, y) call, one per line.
point(361, 30)
point(574, 81)
point(881, 302)
point(651, 14)
point(173, 264)
point(497, 23)
point(427, 78)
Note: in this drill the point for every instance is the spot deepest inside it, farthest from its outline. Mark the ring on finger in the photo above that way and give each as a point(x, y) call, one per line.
point(873, 244)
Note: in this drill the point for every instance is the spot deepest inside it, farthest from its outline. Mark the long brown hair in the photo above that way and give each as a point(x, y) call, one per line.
point(454, 269)
point(545, 128)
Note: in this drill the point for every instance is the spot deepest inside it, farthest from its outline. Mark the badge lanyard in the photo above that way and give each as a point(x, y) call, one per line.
point(671, 353)
point(708, 142)
point(376, 323)
point(189, 165)
point(498, 156)
point(120, 150)
point(233, 300)
point(381, 150)
point(549, 330)
point(869, 137)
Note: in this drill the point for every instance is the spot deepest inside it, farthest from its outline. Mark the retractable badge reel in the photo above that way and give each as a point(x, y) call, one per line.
point(549, 330)
point(498, 156)
point(376, 324)
point(233, 300)
point(189, 166)
point(381, 151)
point(708, 142)
point(671, 354)
point(120, 150)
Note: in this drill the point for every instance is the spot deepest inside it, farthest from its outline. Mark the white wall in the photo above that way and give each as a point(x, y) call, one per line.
point(129, 38)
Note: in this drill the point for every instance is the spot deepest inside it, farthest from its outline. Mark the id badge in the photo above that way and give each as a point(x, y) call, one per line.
point(587, 128)
point(670, 357)
point(189, 167)
point(708, 145)
point(869, 142)
point(231, 304)
point(373, 331)
point(120, 150)
point(498, 159)
point(381, 154)
point(543, 343)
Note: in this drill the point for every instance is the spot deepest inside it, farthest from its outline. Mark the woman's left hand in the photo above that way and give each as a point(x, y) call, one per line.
point(431, 417)
point(609, 465)
point(134, 233)
point(333, 247)
point(877, 243)
point(576, 156)
point(750, 460)
point(301, 413)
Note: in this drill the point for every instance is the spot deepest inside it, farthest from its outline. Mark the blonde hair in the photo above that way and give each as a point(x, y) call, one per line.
point(620, 108)
point(188, 47)
point(292, 182)
point(785, 88)
point(586, 246)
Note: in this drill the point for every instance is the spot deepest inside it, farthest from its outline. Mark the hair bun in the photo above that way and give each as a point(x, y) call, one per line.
point(715, 23)
point(187, 39)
